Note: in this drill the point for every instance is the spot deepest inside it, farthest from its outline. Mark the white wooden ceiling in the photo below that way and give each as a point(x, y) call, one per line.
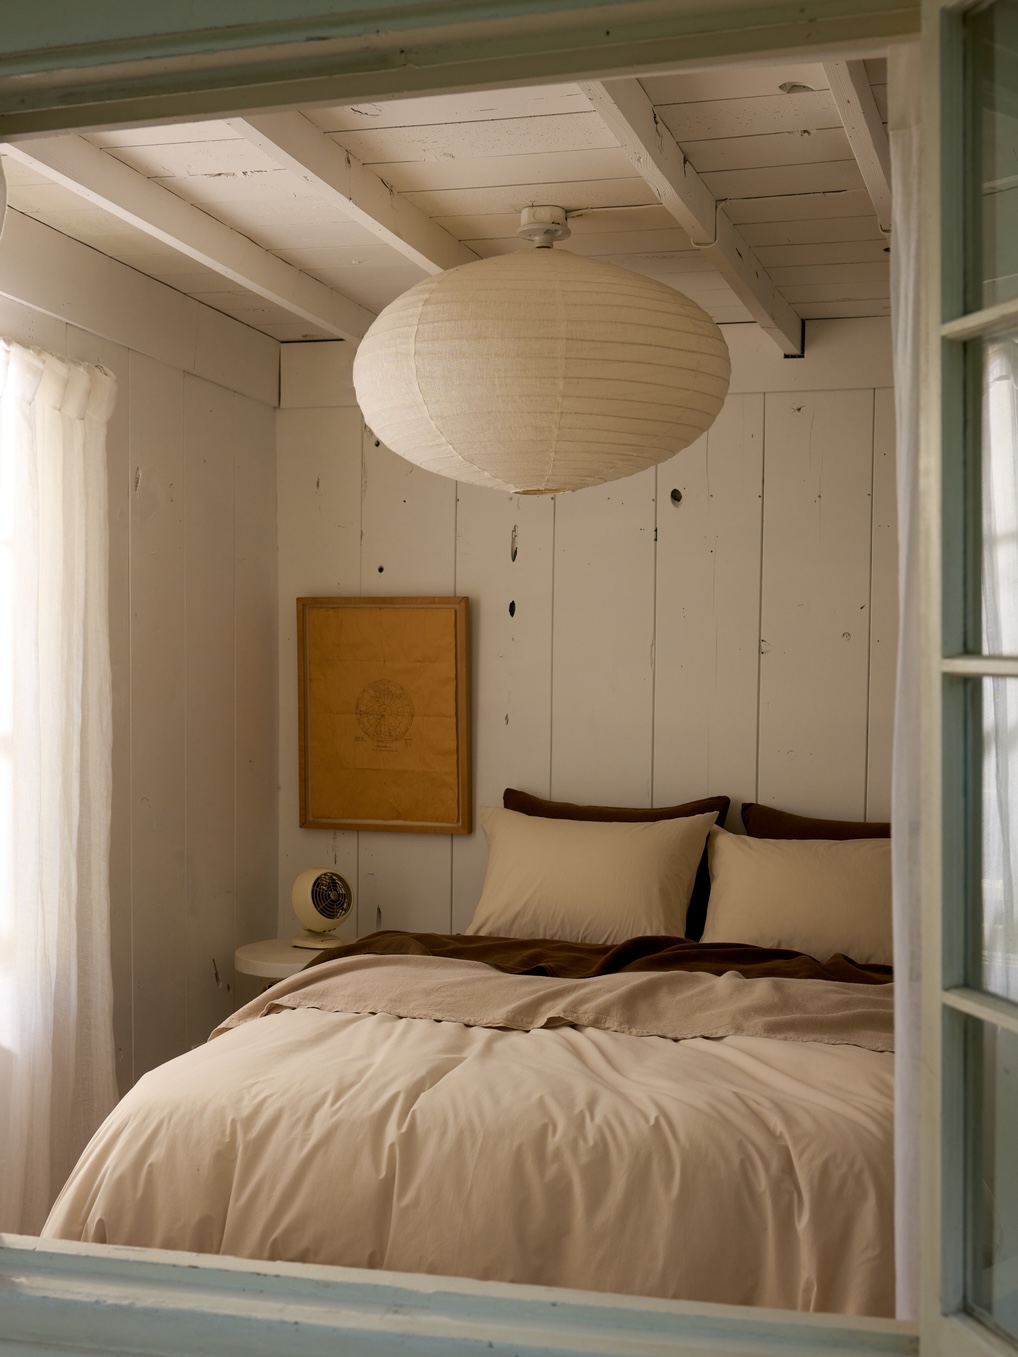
point(299, 249)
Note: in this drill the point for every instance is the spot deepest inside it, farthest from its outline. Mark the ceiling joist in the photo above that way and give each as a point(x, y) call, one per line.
point(106, 182)
point(295, 143)
point(867, 137)
point(658, 158)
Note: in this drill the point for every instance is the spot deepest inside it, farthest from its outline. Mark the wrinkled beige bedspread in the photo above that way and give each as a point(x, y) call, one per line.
point(742, 1169)
point(675, 1004)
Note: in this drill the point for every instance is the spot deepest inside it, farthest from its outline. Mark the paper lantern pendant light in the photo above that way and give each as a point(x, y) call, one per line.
point(540, 371)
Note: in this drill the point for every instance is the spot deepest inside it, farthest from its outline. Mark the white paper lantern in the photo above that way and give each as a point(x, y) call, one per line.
point(540, 371)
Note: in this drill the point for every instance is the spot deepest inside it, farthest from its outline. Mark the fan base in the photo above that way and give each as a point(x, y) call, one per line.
point(314, 941)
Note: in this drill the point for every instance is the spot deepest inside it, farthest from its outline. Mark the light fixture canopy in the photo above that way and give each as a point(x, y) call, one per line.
point(540, 371)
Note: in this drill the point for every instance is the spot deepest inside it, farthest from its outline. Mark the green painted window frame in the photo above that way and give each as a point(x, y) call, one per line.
point(950, 609)
point(64, 65)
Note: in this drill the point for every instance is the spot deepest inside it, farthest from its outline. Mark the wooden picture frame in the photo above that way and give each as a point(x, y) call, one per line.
point(383, 709)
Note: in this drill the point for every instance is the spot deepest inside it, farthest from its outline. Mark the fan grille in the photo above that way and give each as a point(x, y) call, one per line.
point(330, 895)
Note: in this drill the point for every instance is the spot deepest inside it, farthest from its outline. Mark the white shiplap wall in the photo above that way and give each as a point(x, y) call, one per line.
point(738, 641)
point(191, 455)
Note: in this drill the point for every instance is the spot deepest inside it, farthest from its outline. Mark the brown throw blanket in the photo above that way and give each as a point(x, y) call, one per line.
point(578, 960)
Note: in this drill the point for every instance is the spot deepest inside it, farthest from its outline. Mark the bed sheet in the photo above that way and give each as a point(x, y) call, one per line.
point(738, 1169)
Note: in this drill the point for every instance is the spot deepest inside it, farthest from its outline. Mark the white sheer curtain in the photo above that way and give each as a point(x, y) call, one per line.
point(1000, 637)
point(903, 126)
point(56, 1043)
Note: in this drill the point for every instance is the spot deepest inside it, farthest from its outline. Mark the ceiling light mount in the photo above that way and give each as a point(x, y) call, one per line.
point(543, 226)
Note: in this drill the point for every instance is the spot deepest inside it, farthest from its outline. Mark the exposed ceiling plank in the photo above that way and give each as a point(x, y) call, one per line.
point(657, 156)
point(294, 142)
point(107, 183)
point(860, 116)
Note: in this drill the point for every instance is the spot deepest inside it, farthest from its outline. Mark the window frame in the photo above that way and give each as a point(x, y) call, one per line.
point(949, 599)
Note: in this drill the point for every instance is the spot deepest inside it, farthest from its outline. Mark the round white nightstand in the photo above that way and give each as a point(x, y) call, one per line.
point(274, 959)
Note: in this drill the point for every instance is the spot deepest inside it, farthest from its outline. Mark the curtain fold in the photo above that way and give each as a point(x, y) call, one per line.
point(57, 1074)
point(903, 79)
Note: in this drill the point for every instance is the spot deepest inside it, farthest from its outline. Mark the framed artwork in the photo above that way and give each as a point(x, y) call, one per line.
point(383, 698)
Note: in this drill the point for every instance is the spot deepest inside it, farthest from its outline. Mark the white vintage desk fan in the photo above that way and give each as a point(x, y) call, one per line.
point(321, 901)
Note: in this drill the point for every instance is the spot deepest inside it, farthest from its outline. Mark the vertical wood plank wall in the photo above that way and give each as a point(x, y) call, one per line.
point(724, 623)
point(194, 631)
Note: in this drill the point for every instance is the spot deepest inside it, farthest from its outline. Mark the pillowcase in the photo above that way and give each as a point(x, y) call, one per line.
point(566, 810)
point(528, 804)
point(587, 881)
point(818, 896)
point(764, 822)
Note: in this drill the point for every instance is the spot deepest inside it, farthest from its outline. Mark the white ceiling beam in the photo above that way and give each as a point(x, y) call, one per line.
point(295, 143)
point(106, 182)
point(864, 128)
point(656, 155)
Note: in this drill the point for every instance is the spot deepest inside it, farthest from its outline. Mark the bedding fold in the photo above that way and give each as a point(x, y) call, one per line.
point(678, 1005)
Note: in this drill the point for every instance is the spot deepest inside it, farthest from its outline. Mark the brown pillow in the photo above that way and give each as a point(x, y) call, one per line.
point(696, 915)
point(764, 822)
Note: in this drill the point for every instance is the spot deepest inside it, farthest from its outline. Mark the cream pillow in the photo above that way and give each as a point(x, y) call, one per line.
point(818, 896)
point(587, 881)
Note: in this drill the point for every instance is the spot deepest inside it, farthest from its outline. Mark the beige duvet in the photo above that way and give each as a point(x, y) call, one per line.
point(740, 1154)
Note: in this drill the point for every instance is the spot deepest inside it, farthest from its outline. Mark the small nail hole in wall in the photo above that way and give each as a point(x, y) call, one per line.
point(512, 544)
point(381, 568)
point(676, 496)
point(512, 608)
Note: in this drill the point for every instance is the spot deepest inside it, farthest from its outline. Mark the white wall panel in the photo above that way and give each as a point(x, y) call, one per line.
point(503, 565)
point(25, 325)
point(319, 499)
point(158, 625)
point(408, 547)
point(209, 675)
point(839, 355)
point(708, 611)
point(316, 375)
point(603, 647)
point(249, 367)
point(66, 282)
point(256, 684)
point(814, 689)
point(203, 700)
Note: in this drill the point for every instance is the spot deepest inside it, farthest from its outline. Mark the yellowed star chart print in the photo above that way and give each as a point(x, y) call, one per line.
point(383, 711)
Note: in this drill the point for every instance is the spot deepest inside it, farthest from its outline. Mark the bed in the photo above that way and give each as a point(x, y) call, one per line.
point(646, 1114)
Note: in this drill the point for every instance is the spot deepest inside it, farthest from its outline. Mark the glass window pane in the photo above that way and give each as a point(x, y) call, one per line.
point(997, 970)
point(992, 1169)
point(999, 443)
point(993, 158)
